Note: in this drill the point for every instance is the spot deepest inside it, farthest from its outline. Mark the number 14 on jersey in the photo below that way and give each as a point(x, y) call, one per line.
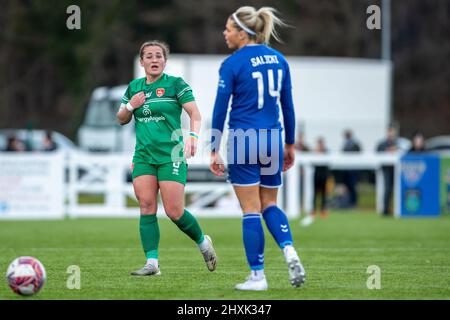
point(271, 85)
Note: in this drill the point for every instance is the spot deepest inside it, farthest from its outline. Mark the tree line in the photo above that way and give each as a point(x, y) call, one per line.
point(48, 71)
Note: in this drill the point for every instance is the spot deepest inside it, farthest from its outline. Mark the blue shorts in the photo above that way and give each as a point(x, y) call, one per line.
point(255, 157)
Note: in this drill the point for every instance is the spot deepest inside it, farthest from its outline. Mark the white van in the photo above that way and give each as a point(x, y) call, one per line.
point(100, 131)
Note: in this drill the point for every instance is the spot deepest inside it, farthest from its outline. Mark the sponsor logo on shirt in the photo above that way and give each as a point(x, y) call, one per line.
point(151, 118)
point(146, 111)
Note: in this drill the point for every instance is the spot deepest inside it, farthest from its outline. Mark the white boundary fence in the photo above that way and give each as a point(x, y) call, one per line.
point(31, 186)
point(339, 161)
point(107, 174)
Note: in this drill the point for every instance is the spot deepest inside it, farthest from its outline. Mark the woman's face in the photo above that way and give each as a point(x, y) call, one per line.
point(153, 61)
point(232, 35)
point(418, 141)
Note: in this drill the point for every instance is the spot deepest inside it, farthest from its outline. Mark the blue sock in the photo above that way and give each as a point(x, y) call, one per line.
point(278, 225)
point(253, 236)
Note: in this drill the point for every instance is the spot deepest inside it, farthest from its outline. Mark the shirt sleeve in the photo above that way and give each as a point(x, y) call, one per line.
point(183, 92)
point(287, 106)
point(126, 96)
point(224, 91)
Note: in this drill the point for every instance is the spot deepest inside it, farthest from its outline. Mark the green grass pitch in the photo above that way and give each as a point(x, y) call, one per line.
point(413, 256)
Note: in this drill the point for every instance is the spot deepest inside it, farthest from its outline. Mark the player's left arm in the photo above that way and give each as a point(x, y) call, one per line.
point(190, 147)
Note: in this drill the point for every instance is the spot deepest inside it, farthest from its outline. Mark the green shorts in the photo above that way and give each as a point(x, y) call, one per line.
point(171, 171)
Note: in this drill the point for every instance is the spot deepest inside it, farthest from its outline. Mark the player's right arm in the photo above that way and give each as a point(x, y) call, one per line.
point(224, 91)
point(287, 107)
point(126, 108)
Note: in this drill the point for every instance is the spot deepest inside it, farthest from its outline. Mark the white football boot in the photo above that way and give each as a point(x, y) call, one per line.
point(307, 221)
point(253, 283)
point(148, 270)
point(297, 274)
point(209, 254)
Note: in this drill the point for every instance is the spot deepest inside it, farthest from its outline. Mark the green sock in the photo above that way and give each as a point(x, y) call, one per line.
point(149, 230)
point(189, 225)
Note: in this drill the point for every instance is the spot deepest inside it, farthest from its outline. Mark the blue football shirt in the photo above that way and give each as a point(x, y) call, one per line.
point(259, 81)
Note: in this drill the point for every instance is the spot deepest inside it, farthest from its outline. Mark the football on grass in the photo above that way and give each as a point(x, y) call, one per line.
point(26, 276)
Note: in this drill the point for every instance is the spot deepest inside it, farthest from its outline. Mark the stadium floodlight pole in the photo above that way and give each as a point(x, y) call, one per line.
point(386, 30)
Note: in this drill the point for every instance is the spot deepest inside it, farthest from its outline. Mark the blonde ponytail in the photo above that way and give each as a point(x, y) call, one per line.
point(262, 22)
point(270, 21)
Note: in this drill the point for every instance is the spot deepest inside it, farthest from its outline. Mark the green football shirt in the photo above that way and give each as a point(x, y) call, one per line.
point(158, 120)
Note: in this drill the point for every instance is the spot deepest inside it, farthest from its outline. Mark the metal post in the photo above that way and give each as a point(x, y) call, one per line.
point(386, 47)
point(386, 30)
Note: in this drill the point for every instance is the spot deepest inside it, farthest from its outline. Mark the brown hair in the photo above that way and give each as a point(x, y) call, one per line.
point(155, 43)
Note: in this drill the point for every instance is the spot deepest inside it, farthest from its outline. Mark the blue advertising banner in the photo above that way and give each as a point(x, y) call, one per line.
point(419, 185)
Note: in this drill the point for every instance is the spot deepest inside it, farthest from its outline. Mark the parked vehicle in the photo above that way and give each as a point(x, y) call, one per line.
point(33, 140)
point(438, 144)
point(100, 131)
